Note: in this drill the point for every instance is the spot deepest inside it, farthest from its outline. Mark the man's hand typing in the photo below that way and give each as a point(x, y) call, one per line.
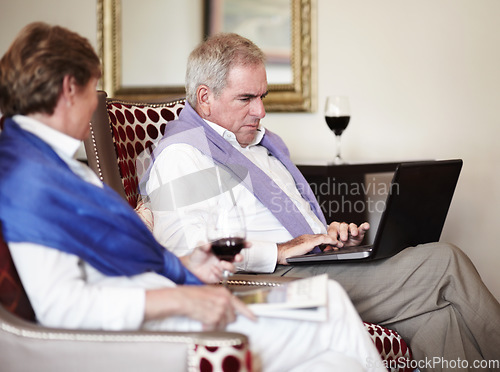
point(347, 235)
point(301, 245)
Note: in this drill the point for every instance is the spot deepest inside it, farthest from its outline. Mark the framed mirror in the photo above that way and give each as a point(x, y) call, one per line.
point(144, 45)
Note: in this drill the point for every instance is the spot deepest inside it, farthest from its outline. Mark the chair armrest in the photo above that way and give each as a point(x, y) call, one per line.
point(26, 346)
point(252, 281)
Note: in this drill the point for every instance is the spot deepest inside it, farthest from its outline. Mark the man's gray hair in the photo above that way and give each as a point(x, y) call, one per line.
point(210, 62)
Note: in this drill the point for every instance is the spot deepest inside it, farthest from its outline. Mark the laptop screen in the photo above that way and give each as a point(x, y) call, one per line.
point(375, 189)
point(405, 208)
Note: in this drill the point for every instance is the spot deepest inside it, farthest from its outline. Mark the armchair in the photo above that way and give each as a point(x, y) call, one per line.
point(27, 346)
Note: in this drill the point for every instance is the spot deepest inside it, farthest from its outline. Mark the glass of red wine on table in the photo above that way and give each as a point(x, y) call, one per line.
point(226, 232)
point(337, 116)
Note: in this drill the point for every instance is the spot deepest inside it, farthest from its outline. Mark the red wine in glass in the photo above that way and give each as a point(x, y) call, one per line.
point(337, 123)
point(226, 231)
point(226, 248)
point(337, 116)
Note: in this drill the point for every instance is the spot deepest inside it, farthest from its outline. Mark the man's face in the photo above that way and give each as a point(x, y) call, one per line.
point(239, 107)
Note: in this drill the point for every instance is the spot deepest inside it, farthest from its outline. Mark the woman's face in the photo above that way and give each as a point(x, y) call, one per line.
point(85, 103)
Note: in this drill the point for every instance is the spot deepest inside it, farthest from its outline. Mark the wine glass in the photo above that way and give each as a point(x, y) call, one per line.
point(226, 231)
point(337, 116)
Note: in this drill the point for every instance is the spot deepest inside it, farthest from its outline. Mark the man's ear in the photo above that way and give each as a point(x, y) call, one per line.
point(204, 99)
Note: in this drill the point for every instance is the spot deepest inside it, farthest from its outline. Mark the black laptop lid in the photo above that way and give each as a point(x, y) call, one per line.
point(417, 209)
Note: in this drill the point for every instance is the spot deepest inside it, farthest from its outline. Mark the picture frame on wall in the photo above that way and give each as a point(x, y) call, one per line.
point(266, 22)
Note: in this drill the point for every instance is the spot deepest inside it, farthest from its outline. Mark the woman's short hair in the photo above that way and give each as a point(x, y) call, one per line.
point(33, 68)
point(210, 62)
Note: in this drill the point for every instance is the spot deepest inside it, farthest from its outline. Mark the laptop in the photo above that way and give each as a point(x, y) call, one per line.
point(414, 212)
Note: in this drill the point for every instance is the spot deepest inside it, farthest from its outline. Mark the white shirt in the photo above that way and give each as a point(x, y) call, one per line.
point(181, 228)
point(92, 300)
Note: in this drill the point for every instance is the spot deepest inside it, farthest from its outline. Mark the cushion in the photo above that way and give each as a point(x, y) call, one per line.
point(228, 358)
point(136, 130)
point(395, 353)
point(12, 294)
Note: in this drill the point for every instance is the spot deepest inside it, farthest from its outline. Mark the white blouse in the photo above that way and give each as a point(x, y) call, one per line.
point(92, 300)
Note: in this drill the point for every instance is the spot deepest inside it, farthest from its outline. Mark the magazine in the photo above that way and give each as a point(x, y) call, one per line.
point(305, 299)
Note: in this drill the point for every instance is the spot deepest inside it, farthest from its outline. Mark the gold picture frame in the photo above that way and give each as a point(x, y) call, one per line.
point(297, 96)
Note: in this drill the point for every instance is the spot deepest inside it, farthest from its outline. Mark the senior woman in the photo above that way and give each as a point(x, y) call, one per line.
point(86, 259)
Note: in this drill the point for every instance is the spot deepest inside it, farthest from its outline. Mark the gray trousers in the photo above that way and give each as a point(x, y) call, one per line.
point(432, 295)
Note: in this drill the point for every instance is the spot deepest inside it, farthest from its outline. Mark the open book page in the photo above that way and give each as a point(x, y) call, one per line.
point(305, 299)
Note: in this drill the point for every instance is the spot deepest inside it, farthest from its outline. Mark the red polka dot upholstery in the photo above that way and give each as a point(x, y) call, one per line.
point(394, 351)
point(392, 348)
point(235, 358)
point(136, 130)
point(12, 294)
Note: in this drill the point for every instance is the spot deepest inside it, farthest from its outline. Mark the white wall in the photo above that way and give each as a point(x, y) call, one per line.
point(424, 82)
point(79, 16)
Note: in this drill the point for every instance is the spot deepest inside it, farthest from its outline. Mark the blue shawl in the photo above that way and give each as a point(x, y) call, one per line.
point(43, 202)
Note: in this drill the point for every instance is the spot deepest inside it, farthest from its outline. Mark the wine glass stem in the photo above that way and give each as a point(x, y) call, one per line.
point(338, 157)
point(225, 276)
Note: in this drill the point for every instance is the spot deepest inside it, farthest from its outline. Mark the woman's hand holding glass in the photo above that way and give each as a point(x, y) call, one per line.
point(206, 266)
